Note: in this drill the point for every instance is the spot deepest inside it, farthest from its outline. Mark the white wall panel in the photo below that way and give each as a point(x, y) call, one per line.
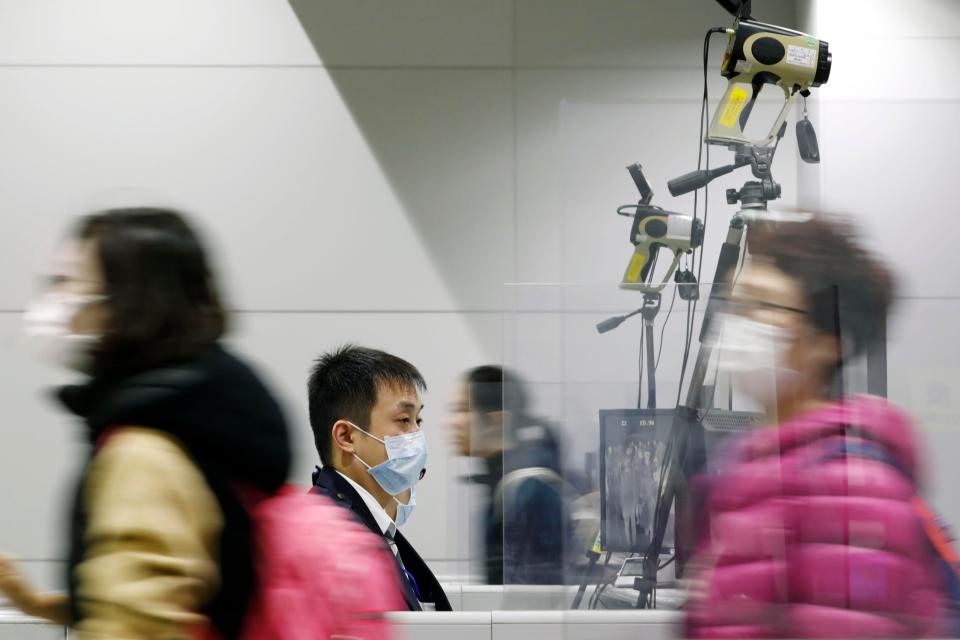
point(413, 33)
point(924, 19)
point(888, 130)
point(875, 70)
point(924, 378)
point(41, 448)
point(142, 32)
point(371, 190)
point(464, 625)
point(887, 164)
point(624, 33)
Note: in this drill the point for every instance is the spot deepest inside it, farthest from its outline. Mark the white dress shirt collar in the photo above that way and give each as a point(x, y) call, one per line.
point(387, 526)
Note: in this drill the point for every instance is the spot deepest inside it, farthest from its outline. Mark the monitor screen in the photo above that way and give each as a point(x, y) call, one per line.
point(632, 445)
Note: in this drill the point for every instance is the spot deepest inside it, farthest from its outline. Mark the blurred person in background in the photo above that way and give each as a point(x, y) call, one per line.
point(365, 408)
point(527, 531)
point(811, 528)
point(160, 544)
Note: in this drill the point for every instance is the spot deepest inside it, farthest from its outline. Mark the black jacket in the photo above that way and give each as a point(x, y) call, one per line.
point(233, 430)
point(331, 484)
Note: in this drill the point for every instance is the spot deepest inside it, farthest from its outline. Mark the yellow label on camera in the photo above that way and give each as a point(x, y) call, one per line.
point(738, 100)
point(635, 267)
point(597, 547)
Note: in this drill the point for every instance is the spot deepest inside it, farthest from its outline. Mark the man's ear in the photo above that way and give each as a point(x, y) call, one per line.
point(341, 433)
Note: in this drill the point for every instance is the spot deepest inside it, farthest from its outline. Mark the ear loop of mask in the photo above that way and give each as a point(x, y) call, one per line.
point(365, 432)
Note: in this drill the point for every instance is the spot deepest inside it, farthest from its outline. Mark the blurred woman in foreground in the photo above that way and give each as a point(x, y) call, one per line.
point(160, 544)
point(810, 528)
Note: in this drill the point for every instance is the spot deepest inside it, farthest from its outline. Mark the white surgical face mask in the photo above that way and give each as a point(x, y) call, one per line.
point(754, 354)
point(47, 325)
point(405, 464)
point(404, 511)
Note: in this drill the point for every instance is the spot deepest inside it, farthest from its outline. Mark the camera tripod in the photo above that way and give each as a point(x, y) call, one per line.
point(687, 446)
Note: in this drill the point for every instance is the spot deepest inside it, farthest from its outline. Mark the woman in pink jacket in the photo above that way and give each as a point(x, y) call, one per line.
point(810, 528)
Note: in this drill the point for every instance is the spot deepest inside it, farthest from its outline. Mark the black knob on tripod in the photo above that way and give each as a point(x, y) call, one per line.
point(754, 193)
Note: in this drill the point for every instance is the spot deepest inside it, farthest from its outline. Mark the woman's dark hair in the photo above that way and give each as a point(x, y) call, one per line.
point(162, 300)
point(848, 291)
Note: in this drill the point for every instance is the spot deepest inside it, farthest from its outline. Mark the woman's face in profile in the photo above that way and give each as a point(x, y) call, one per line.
point(766, 294)
point(77, 271)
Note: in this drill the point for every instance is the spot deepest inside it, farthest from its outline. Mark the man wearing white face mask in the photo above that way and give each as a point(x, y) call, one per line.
point(365, 410)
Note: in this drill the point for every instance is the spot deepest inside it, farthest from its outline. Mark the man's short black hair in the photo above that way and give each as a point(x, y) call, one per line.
point(344, 383)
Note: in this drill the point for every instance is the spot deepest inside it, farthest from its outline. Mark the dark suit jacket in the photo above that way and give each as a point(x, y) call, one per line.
point(331, 484)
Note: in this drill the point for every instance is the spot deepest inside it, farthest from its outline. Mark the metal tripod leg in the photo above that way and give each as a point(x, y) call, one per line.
point(687, 450)
point(651, 306)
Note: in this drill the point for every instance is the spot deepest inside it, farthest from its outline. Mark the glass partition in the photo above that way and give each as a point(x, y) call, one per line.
point(594, 376)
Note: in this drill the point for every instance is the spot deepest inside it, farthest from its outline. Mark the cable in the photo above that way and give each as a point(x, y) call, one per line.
point(601, 588)
point(600, 592)
point(667, 463)
point(592, 603)
point(664, 327)
point(691, 306)
point(703, 113)
point(658, 504)
point(640, 384)
point(703, 121)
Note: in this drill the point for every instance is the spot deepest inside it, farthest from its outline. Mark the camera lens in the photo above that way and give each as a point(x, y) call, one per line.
point(824, 62)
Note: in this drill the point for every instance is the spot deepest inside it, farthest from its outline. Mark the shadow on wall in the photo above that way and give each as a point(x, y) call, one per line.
point(443, 138)
point(446, 93)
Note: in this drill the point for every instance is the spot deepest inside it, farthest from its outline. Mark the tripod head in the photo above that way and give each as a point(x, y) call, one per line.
point(754, 194)
point(760, 159)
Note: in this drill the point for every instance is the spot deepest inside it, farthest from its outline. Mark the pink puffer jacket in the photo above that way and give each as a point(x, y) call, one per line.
point(810, 532)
